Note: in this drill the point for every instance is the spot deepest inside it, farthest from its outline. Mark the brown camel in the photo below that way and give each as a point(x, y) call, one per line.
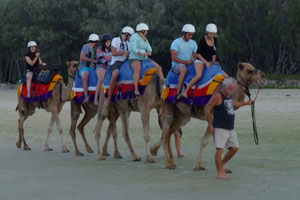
point(175, 116)
point(54, 104)
point(90, 111)
point(143, 104)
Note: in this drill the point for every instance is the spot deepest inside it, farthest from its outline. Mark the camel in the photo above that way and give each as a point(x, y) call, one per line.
point(60, 95)
point(90, 111)
point(175, 116)
point(143, 104)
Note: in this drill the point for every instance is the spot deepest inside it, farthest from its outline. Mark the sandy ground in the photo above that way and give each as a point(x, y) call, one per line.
point(267, 171)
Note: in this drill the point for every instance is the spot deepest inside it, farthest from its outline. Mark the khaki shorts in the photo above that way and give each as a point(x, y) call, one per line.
point(176, 67)
point(224, 138)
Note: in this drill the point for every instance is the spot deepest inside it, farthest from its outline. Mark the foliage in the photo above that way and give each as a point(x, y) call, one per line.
point(263, 32)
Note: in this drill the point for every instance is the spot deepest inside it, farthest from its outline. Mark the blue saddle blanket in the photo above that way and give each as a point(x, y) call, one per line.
point(207, 77)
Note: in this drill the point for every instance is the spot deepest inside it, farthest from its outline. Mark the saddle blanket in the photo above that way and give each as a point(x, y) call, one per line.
point(200, 93)
point(39, 91)
point(124, 88)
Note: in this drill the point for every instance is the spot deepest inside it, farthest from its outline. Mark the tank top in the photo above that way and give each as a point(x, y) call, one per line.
point(31, 56)
point(224, 114)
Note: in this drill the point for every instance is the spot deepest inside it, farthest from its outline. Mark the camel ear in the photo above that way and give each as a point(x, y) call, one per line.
point(68, 64)
point(241, 66)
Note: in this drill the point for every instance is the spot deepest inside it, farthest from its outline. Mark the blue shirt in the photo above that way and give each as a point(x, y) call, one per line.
point(138, 44)
point(185, 49)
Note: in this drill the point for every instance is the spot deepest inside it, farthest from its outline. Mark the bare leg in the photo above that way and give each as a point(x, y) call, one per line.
point(136, 66)
point(219, 164)
point(159, 69)
point(183, 71)
point(28, 82)
point(232, 151)
point(178, 144)
point(199, 71)
point(112, 85)
point(101, 75)
point(85, 79)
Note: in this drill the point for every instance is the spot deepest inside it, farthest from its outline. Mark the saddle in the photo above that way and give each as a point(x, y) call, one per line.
point(42, 76)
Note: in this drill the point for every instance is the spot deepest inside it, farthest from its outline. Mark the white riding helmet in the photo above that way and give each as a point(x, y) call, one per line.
point(189, 28)
point(31, 43)
point(142, 26)
point(128, 29)
point(93, 37)
point(211, 28)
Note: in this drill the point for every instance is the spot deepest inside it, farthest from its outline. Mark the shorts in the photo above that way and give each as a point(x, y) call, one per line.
point(97, 68)
point(177, 67)
point(224, 138)
point(116, 66)
point(83, 69)
point(132, 60)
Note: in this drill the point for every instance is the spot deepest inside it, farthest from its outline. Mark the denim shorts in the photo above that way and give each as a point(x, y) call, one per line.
point(87, 69)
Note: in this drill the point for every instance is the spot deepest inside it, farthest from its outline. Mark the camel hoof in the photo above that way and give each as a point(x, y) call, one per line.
point(199, 168)
point(79, 153)
point(118, 156)
point(90, 151)
point(137, 159)
point(18, 144)
point(227, 171)
point(100, 157)
point(105, 154)
point(149, 159)
point(153, 151)
point(48, 149)
point(26, 148)
point(171, 167)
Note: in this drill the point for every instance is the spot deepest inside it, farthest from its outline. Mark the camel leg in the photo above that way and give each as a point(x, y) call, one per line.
point(145, 115)
point(87, 117)
point(50, 128)
point(23, 117)
point(115, 135)
point(204, 142)
point(97, 132)
point(75, 113)
point(55, 114)
point(124, 118)
point(108, 134)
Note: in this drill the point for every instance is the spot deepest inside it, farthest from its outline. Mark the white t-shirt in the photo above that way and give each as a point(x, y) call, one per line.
point(120, 46)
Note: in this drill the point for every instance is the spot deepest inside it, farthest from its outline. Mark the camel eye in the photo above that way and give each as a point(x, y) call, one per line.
point(250, 71)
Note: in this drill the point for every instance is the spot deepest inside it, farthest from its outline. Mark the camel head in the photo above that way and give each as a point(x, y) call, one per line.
point(248, 75)
point(72, 67)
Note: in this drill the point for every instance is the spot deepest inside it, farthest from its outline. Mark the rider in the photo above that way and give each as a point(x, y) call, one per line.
point(140, 49)
point(207, 47)
point(86, 62)
point(183, 53)
point(32, 59)
point(103, 61)
point(120, 51)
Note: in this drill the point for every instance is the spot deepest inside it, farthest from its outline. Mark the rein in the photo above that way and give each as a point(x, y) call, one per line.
point(247, 92)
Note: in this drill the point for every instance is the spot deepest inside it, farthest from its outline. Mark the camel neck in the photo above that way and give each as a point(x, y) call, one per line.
point(66, 93)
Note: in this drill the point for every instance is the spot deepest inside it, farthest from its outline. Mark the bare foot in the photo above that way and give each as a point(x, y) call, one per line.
point(222, 176)
point(181, 95)
point(137, 93)
point(180, 156)
point(28, 95)
point(107, 101)
point(86, 99)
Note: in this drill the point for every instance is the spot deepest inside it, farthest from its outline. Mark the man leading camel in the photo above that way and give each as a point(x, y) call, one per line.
point(222, 124)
